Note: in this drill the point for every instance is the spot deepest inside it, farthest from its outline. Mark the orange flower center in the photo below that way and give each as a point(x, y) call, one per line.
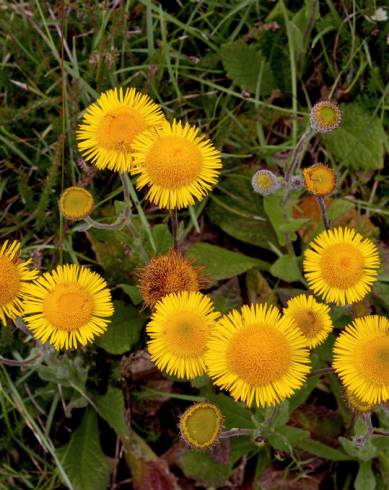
point(374, 360)
point(68, 307)
point(173, 162)
point(308, 323)
point(259, 354)
point(118, 129)
point(342, 265)
point(9, 280)
point(186, 334)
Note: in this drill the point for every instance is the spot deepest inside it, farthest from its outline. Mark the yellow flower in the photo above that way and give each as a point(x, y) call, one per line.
point(325, 116)
point(179, 330)
point(14, 277)
point(168, 274)
point(312, 318)
point(68, 306)
point(201, 425)
point(356, 404)
point(75, 203)
point(177, 163)
point(257, 356)
point(341, 266)
point(361, 358)
point(110, 125)
point(320, 179)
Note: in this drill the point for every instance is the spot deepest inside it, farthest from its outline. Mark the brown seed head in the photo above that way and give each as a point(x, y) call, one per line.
point(167, 274)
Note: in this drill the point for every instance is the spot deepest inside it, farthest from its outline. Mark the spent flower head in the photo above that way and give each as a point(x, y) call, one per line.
point(325, 116)
point(265, 182)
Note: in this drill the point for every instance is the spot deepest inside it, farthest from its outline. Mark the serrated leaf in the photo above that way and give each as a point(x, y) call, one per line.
point(365, 479)
point(83, 458)
point(286, 268)
point(359, 141)
point(111, 408)
point(124, 330)
point(200, 466)
point(247, 67)
point(220, 263)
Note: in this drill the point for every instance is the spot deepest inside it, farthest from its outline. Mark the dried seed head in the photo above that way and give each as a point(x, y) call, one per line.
point(201, 425)
point(325, 116)
point(264, 182)
point(168, 274)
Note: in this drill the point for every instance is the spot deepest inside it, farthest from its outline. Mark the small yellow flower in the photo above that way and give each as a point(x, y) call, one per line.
point(14, 278)
point(325, 116)
point(201, 425)
point(341, 266)
point(168, 274)
point(178, 165)
point(111, 124)
point(361, 358)
point(312, 318)
point(179, 330)
point(68, 306)
point(264, 182)
point(76, 203)
point(259, 357)
point(320, 179)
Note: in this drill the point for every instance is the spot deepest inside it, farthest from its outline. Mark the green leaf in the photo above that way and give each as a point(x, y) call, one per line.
point(133, 293)
point(111, 408)
point(353, 447)
point(274, 208)
point(200, 466)
point(83, 458)
point(338, 207)
point(124, 330)
point(286, 268)
point(365, 479)
point(227, 296)
point(287, 437)
point(323, 451)
point(163, 238)
point(359, 141)
point(239, 212)
point(247, 68)
point(221, 263)
point(235, 414)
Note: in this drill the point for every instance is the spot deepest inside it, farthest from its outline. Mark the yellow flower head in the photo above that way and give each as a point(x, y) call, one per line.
point(76, 203)
point(312, 318)
point(265, 182)
point(201, 425)
point(356, 404)
point(14, 277)
point(110, 125)
point(179, 330)
point(168, 274)
point(320, 179)
point(361, 358)
point(177, 164)
point(257, 356)
point(341, 265)
point(68, 306)
point(325, 116)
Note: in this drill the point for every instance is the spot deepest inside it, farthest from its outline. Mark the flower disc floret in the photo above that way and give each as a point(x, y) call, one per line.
point(111, 124)
point(325, 116)
point(341, 266)
point(311, 317)
point(258, 356)
point(177, 164)
point(361, 358)
point(76, 203)
point(179, 331)
point(68, 307)
point(319, 179)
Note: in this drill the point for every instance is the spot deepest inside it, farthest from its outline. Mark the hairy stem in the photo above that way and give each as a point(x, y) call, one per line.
point(323, 210)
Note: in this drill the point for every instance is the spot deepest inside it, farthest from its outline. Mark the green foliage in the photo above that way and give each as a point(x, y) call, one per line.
point(111, 408)
point(221, 263)
point(83, 458)
point(200, 466)
point(360, 140)
point(365, 479)
point(286, 268)
point(124, 330)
